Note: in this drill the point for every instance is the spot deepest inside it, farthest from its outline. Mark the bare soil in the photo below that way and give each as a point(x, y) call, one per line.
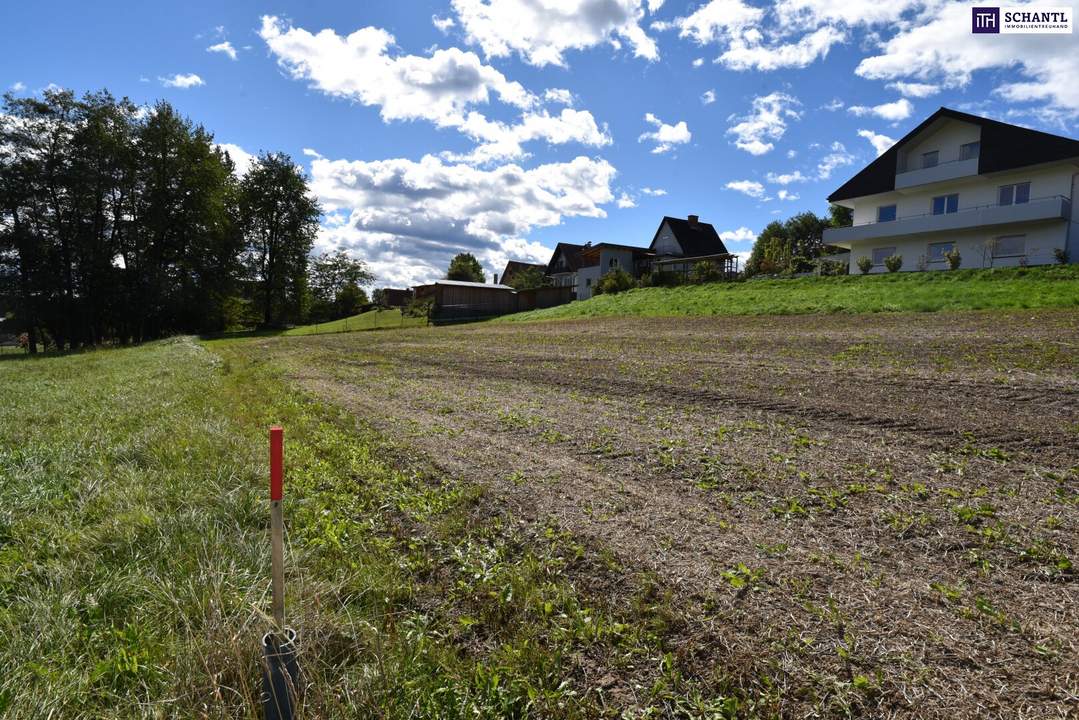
point(862, 515)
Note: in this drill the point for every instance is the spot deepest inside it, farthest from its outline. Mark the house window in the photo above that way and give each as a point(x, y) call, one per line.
point(930, 159)
point(969, 151)
point(588, 282)
point(946, 204)
point(881, 254)
point(1010, 246)
point(613, 263)
point(886, 213)
point(937, 251)
point(1016, 194)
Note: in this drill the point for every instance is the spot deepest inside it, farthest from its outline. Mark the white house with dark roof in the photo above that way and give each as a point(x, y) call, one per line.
point(1000, 194)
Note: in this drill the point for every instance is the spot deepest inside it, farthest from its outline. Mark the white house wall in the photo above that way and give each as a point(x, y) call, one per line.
point(666, 245)
point(975, 191)
point(946, 140)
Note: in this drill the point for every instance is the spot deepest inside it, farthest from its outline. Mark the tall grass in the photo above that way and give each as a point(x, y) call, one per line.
point(1003, 288)
point(134, 561)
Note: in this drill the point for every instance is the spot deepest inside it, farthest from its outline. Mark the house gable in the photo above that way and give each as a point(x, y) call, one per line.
point(676, 237)
point(1003, 147)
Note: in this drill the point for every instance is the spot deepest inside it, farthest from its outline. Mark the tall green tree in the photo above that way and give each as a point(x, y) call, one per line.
point(280, 221)
point(528, 278)
point(335, 281)
point(466, 267)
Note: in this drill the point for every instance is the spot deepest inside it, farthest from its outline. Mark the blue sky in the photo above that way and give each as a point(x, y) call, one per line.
point(505, 126)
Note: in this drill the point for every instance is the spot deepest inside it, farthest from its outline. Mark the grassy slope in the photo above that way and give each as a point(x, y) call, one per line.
point(372, 320)
point(1054, 286)
point(133, 559)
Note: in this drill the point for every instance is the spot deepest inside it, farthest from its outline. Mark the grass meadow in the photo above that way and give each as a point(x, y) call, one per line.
point(1001, 288)
point(134, 558)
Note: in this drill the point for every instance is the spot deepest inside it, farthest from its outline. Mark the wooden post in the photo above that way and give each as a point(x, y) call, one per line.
point(277, 541)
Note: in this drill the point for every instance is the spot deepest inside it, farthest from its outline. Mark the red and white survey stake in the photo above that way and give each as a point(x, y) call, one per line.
point(277, 559)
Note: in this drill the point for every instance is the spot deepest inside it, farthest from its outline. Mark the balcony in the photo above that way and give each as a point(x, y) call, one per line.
point(1056, 207)
point(937, 173)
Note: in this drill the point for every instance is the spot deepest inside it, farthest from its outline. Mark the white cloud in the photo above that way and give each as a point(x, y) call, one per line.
point(240, 157)
point(766, 122)
point(838, 157)
point(183, 81)
point(541, 31)
point(561, 96)
point(443, 24)
point(665, 136)
point(748, 53)
point(901, 109)
point(915, 90)
point(787, 178)
point(835, 104)
point(655, 192)
point(309, 152)
point(752, 188)
point(225, 48)
point(791, 154)
point(937, 46)
point(717, 20)
point(407, 219)
point(698, 62)
point(741, 235)
point(18, 87)
point(625, 201)
point(880, 142)
point(442, 88)
point(708, 97)
point(786, 195)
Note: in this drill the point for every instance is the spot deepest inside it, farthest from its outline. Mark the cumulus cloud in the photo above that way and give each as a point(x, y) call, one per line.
point(183, 81)
point(665, 136)
point(225, 48)
point(787, 178)
point(836, 157)
point(561, 96)
point(698, 62)
point(786, 195)
point(752, 188)
point(443, 88)
point(937, 46)
point(541, 31)
point(443, 24)
point(901, 109)
point(625, 201)
point(765, 123)
point(741, 235)
point(240, 157)
point(708, 97)
point(879, 142)
point(409, 218)
point(655, 192)
point(18, 87)
point(915, 90)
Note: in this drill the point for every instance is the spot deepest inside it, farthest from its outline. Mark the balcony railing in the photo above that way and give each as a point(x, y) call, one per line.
point(950, 170)
point(1043, 208)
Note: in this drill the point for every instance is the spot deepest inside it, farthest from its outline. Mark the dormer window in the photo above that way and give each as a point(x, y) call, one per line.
point(969, 151)
point(930, 159)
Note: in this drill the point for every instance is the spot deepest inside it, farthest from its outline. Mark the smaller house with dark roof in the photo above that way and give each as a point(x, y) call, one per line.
point(996, 194)
point(564, 263)
point(515, 268)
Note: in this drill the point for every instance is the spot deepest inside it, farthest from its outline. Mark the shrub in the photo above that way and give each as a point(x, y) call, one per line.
point(954, 258)
point(614, 282)
point(893, 263)
point(1061, 255)
point(419, 307)
point(833, 267)
point(800, 264)
point(865, 264)
point(705, 271)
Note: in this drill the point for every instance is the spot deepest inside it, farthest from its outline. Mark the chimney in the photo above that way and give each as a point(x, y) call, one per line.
point(693, 221)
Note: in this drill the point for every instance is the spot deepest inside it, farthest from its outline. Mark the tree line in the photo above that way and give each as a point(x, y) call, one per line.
point(123, 224)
